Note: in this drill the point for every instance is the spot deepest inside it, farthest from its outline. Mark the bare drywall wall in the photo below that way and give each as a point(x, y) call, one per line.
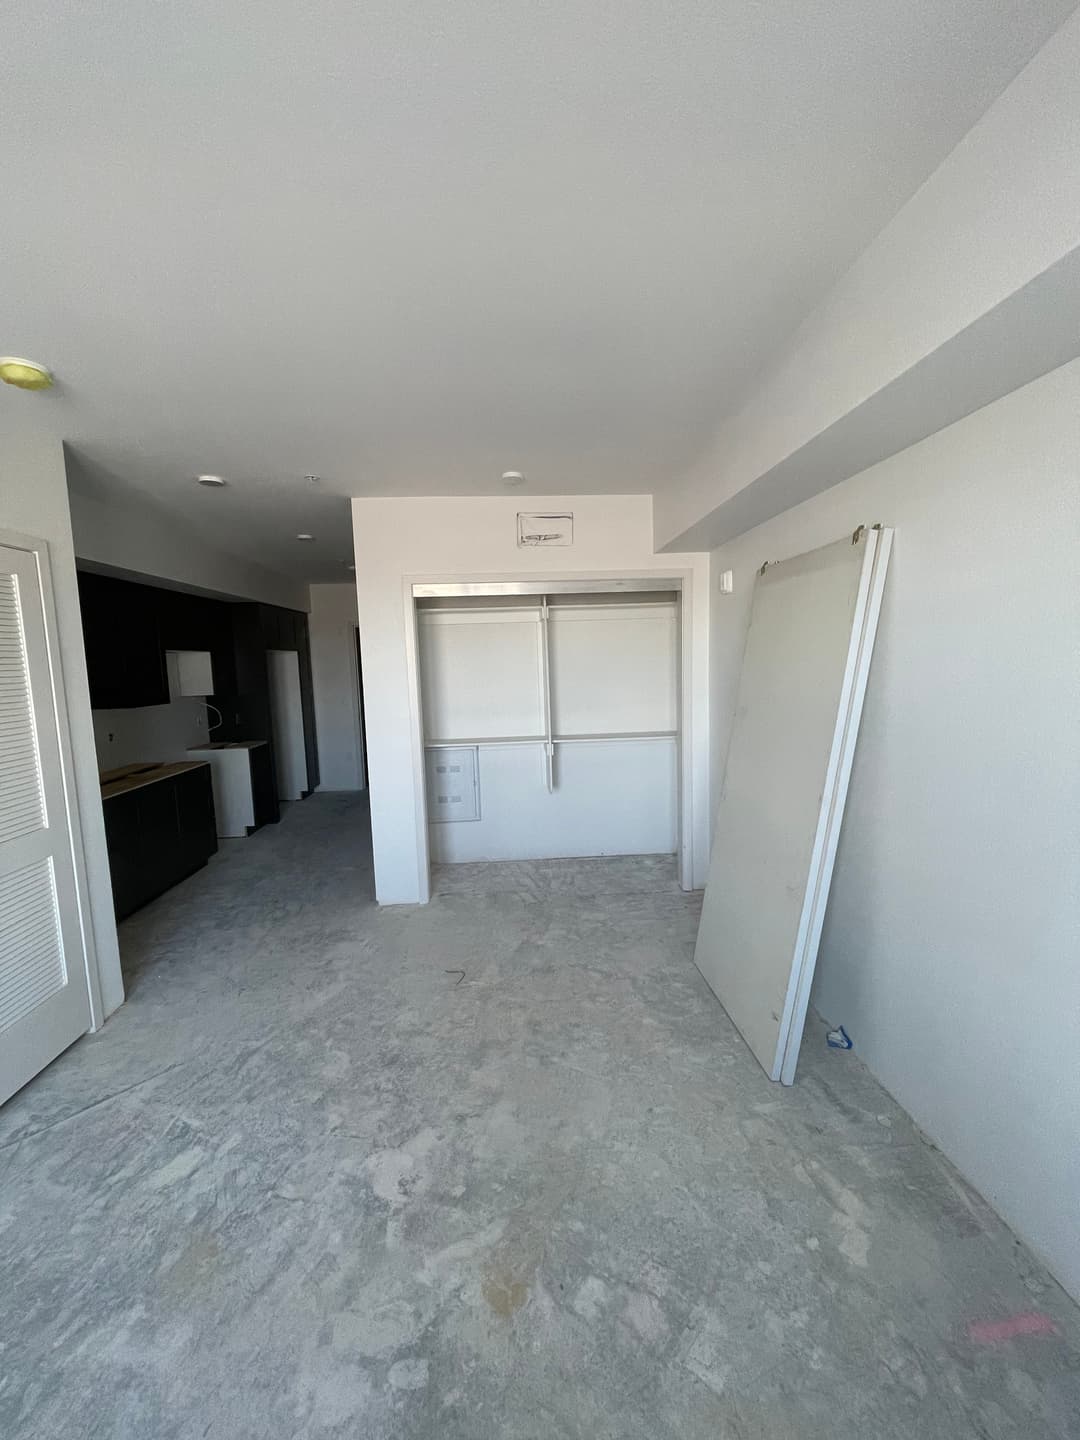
point(399, 541)
point(949, 949)
point(34, 501)
point(151, 732)
point(332, 628)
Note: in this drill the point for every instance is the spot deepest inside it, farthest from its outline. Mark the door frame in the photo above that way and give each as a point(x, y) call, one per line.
point(58, 701)
point(557, 582)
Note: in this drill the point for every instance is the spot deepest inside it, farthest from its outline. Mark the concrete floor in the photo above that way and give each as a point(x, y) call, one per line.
point(310, 1182)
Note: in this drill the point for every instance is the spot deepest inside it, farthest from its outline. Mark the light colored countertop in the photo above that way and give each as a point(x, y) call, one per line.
point(142, 772)
point(225, 745)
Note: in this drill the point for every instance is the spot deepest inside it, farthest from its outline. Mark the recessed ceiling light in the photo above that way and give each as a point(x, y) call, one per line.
point(305, 536)
point(213, 482)
point(24, 374)
point(513, 477)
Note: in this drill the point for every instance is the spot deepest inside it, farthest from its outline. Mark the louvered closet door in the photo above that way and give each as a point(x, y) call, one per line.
point(44, 1000)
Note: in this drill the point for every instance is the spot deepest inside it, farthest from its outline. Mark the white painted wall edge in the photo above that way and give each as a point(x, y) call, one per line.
point(332, 627)
point(399, 542)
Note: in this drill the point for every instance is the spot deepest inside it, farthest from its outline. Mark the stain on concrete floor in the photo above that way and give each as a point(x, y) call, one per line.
point(307, 1184)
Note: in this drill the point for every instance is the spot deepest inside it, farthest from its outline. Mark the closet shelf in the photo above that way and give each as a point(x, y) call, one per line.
point(485, 740)
point(556, 739)
point(615, 735)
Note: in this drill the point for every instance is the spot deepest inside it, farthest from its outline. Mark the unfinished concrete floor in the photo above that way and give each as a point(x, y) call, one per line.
point(313, 1181)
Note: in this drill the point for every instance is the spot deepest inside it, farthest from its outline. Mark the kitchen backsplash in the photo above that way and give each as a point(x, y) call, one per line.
point(155, 732)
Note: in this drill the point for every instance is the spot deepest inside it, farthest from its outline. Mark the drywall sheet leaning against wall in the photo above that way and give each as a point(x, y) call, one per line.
point(804, 673)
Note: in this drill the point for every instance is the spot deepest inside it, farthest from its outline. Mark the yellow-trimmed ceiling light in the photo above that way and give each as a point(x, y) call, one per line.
point(24, 374)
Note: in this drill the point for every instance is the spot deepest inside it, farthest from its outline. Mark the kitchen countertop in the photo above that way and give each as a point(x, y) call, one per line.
point(225, 745)
point(142, 772)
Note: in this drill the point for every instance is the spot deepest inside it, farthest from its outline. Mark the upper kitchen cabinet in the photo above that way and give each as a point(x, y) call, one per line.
point(195, 623)
point(125, 657)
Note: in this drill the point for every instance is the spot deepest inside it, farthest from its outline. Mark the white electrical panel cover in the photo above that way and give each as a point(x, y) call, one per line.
point(453, 789)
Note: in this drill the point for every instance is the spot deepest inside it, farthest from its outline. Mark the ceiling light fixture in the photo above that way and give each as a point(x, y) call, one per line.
point(24, 374)
point(305, 536)
point(513, 477)
point(312, 479)
point(212, 482)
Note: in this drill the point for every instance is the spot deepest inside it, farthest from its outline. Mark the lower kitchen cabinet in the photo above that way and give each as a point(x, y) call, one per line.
point(158, 832)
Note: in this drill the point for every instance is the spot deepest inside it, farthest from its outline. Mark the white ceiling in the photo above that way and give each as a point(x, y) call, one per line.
point(408, 246)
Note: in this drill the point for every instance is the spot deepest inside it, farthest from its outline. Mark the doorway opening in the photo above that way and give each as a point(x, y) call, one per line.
point(550, 717)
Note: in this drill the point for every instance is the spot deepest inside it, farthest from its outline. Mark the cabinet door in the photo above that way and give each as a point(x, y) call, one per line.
point(195, 816)
point(264, 786)
point(125, 852)
point(104, 652)
point(125, 659)
point(220, 641)
point(307, 702)
point(146, 680)
point(159, 838)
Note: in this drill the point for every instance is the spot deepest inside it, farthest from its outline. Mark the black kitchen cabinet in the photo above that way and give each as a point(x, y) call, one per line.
point(125, 659)
point(264, 796)
point(125, 852)
point(307, 702)
point(128, 627)
point(258, 628)
point(158, 834)
point(195, 815)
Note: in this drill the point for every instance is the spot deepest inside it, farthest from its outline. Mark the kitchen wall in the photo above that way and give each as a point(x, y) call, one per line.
point(332, 630)
point(138, 537)
point(34, 501)
point(950, 944)
point(399, 541)
point(152, 732)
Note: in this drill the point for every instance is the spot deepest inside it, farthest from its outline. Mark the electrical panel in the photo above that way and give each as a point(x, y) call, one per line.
point(453, 784)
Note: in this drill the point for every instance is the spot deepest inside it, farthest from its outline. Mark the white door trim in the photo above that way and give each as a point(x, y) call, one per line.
point(678, 578)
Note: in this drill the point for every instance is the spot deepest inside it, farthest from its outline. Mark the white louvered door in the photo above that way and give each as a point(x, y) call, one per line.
point(44, 997)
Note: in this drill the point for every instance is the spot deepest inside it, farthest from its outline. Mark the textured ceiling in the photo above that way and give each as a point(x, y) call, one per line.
point(407, 246)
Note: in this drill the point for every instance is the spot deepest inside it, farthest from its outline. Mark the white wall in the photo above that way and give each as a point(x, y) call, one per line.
point(1001, 211)
point(151, 732)
point(137, 536)
point(332, 630)
point(950, 947)
point(399, 541)
point(34, 501)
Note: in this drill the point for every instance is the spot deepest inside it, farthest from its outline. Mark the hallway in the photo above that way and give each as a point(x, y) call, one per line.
point(494, 1169)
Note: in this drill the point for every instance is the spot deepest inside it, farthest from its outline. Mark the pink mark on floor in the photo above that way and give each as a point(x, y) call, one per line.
point(993, 1332)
